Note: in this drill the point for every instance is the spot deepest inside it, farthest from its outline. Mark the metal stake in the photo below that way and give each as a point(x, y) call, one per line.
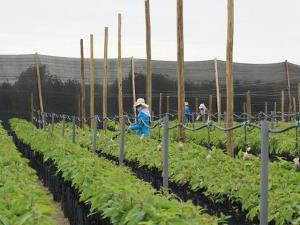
point(166, 152)
point(264, 173)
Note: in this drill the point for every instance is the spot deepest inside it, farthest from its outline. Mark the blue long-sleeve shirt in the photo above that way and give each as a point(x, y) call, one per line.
point(187, 114)
point(142, 125)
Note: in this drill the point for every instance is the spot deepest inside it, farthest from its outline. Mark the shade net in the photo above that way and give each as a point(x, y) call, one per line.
point(61, 84)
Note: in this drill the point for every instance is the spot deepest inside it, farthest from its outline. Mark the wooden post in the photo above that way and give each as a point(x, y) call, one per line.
point(299, 96)
point(31, 107)
point(149, 60)
point(248, 104)
point(168, 104)
point(105, 78)
point(39, 82)
point(82, 83)
point(289, 85)
point(92, 80)
point(217, 89)
point(294, 105)
point(266, 107)
point(160, 105)
point(196, 105)
point(210, 104)
point(229, 75)
point(120, 76)
point(133, 87)
point(282, 105)
point(79, 113)
point(180, 68)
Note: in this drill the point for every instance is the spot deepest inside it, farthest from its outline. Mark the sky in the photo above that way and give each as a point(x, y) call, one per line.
point(265, 31)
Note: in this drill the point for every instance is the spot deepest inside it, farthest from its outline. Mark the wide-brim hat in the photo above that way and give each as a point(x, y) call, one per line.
point(140, 101)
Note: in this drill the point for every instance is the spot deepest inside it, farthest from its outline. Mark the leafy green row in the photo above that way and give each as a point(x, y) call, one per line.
point(109, 189)
point(22, 200)
point(221, 176)
point(282, 144)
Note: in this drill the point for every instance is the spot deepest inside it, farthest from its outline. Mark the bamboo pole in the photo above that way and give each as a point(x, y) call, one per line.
point(289, 86)
point(282, 105)
point(133, 87)
point(180, 68)
point(149, 59)
point(229, 75)
point(217, 89)
point(39, 82)
point(168, 104)
point(105, 78)
point(82, 82)
point(248, 104)
point(92, 81)
point(120, 75)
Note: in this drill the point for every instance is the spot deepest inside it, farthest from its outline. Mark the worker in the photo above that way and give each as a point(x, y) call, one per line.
point(142, 127)
point(202, 112)
point(187, 113)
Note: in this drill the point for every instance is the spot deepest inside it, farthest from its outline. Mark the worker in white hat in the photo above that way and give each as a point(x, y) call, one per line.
point(187, 113)
point(142, 127)
point(202, 111)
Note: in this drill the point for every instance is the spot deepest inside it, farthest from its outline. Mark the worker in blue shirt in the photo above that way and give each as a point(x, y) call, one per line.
point(187, 113)
point(142, 127)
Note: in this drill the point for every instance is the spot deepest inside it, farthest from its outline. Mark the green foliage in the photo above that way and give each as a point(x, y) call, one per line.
point(22, 200)
point(111, 190)
point(222, 176)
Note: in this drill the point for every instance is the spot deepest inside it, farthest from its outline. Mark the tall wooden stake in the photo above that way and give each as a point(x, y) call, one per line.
point(248, 104)
point(39, 82)
point(149, 59)
point(282, 105)
point(289, 85)
point(82, 82)
point(229, 75)
point(133, 87)
point(180, 68)
point(217, 89)
point(105, 78)
point(92, 81)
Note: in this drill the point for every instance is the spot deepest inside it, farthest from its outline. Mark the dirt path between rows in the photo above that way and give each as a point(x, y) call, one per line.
point(58, 217)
